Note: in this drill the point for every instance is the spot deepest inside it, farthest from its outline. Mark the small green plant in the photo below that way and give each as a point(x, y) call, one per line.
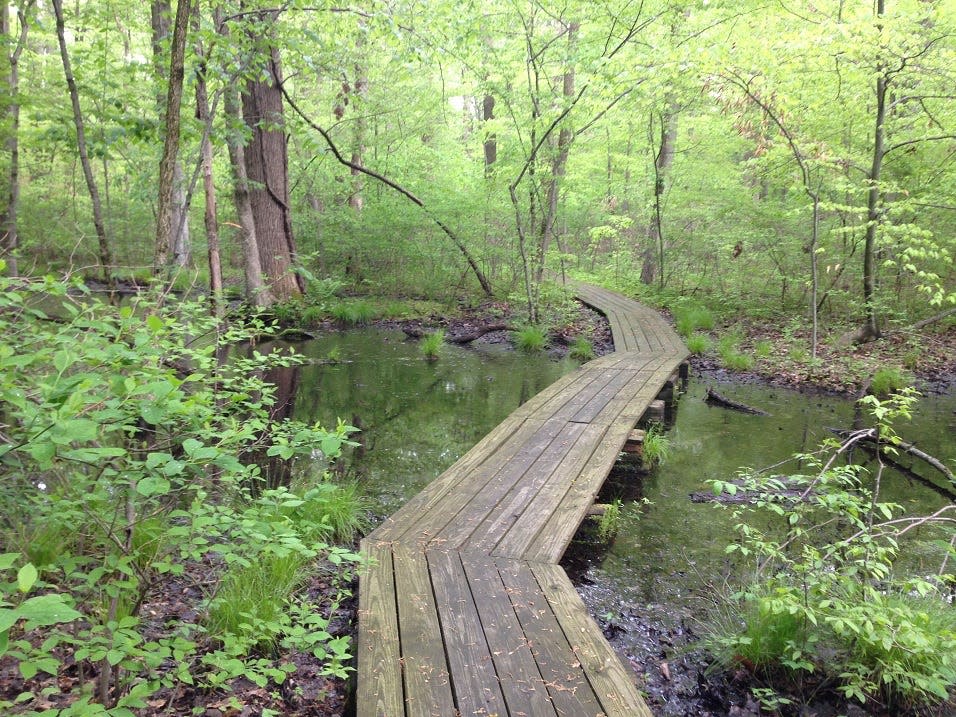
point(656, 445)
point(698, 343)
point(609, 522)
point(531, 339)
point(736, 360)
point(689, 318)
point(888, 380)
point(356, 313)
point(581, 350)
point(431, 345)
point(333, 355)
point(763, 349)
point(828, 594)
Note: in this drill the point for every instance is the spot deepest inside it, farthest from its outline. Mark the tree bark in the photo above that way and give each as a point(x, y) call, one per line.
point(360, 125)
point(105, 252)
point(653, 255)
point(267, 169)
point(871, 325)
point(210, 220)
point(9, 234)
point(172, 120)
point(491, 141)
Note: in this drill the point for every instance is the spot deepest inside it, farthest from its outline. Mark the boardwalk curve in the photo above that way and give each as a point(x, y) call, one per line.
point(463, 609)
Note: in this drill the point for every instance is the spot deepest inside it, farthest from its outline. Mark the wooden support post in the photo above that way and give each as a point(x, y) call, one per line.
point(655, 412)
point(634, 445)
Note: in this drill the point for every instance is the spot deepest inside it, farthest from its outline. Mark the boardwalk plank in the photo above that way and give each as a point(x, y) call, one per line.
point(379, 661)
point(571, 693)
point(427, 683)
point(462, 633)
point(473, 677)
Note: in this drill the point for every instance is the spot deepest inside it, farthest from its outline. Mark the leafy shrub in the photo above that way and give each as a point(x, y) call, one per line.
point(828, 594)
point(129, 449)
point(581, 350)
point(531, 339)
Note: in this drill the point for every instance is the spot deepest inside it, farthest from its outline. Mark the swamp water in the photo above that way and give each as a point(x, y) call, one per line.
point(649, 588)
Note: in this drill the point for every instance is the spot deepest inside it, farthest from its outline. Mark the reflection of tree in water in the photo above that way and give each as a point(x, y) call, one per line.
point(275, 471)
point(416, 417)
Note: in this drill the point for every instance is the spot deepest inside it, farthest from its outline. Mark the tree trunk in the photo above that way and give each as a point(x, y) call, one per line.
point(360, 125)
point(9, 236)
point(166, 223)
point(257, 290)
point(491, 141)
point(210, 220)
point(267, 170)
point(653, 255)
point(105, 252)
point(871, 324)
point(558, 166)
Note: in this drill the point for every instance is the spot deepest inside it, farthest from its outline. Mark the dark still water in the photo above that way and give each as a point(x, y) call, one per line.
point(417, 417)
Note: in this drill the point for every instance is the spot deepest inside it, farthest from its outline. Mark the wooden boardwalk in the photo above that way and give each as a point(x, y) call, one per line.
point(463, 609)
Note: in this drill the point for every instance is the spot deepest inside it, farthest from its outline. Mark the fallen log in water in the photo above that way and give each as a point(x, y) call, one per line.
point(465, 337)
point(714, 397)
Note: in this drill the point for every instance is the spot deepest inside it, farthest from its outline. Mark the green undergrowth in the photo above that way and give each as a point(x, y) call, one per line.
point(133, 456)
point(828, 596)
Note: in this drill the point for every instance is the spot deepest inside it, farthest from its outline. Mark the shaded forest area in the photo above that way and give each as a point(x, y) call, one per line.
point(781, 161)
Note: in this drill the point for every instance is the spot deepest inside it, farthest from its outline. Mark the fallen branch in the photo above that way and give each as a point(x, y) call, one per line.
point(870, 438)
point(714, 397)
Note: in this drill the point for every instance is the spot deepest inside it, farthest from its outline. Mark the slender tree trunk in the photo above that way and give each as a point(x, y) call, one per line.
point(559, 164)
point(491, 140)
point(9, 236)
point(105, 252)
point(267, 169)
point(210, 219)
point(165, 225)
point(653, 255)
point(871, 324)
point(360, 124)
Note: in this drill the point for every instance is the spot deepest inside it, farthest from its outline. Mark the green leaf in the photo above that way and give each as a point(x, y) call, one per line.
point(43, 452)
point(46, 610)
point(26, 577)
point(7, 560)
point(157, 458)
point(154, 323)
point(153, 485)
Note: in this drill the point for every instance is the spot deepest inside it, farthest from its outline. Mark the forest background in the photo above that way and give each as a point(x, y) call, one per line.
point(789, 161)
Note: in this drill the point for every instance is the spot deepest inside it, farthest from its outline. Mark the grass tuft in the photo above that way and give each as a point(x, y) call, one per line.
point(531, 339)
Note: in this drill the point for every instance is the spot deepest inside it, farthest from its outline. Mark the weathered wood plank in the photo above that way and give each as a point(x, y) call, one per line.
point(519, 532)
point(612, 683)
point(379, 661)
point(522, 684)
point(427, 684)
point(554, 536)
point(397, 523)
point(426, 517)
point(564, 457)
point(465, 526)
point(570, 691)
point(473, 677)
